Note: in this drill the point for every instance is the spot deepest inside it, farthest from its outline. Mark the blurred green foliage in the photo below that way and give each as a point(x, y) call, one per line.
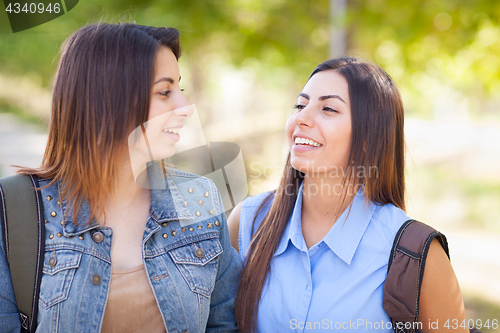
point(484, 313)
point(274, 32)
point(424, 45)
point(23, 115)
point(453, 197)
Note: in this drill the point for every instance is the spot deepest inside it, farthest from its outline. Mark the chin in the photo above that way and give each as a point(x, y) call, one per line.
point(165, 153)
point(302, 165)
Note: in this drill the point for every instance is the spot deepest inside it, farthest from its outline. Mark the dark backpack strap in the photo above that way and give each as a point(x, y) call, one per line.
point(24, 242)
point(405, 273)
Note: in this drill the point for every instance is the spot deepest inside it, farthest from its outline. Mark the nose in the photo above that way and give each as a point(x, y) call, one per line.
point(305, 117)
point(182, 107)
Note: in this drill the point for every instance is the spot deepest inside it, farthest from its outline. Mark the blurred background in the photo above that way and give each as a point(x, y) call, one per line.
point(245, 61)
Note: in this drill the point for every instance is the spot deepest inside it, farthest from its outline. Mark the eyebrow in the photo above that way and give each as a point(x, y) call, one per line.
point(322, 98)
point(167, 79)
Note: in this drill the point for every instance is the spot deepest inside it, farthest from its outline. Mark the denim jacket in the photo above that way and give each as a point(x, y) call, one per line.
point(186, 252)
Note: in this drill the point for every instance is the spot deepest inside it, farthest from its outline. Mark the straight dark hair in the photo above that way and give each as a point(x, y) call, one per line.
point(377, 140)
point(102, 90)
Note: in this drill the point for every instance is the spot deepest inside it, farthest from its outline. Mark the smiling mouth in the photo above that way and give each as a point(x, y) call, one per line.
point(172, 130)
point(306, 142)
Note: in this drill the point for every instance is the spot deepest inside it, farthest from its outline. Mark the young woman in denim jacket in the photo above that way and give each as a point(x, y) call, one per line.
point(316, 249)
point(103, 221)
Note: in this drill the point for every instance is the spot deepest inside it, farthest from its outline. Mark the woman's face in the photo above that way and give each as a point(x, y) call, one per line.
point(319, 131)
point(168, 108)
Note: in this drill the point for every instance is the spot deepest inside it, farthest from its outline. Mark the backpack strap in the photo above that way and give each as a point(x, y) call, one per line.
point(24, 242)
point(405, 273)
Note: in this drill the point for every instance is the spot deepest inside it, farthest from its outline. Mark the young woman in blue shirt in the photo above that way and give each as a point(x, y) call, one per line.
point(316, 249)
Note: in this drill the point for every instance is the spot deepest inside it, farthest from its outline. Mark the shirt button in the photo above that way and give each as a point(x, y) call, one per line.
point(96, 279)
point(52, 261)
point(199, 253)
point(98, 237)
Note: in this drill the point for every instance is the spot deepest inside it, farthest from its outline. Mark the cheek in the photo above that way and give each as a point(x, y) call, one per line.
point(154, 109)
point(344, 139)
point(289, 127)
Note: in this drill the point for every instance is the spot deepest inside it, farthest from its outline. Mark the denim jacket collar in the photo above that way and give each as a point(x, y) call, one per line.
point(166, 205)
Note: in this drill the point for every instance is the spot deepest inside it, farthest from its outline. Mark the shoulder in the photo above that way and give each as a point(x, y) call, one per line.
point(389, 217)
point(255, 207)
point(384, 225)
point(253, 211)
point(257, 200)
point(243, 213)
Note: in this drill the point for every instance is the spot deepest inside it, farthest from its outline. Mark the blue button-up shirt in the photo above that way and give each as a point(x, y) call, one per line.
point(337, 283)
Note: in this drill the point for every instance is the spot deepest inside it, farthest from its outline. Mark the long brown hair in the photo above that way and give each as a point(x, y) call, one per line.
point(101, 92)
point(377, 140)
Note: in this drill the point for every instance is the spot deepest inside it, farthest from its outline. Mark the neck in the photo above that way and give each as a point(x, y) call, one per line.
point(126, 192)
point(126, 188)
point(324, 198)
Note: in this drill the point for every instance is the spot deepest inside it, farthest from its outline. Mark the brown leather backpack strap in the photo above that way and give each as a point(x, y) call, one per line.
point(405, 273)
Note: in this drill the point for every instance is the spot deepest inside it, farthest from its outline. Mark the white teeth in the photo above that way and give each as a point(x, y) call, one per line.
point(304, 141)
point(172, 130)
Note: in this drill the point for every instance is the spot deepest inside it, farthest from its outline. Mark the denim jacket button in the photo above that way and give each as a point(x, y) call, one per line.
point(98, 237)
point(52, 261)
point(96, 279)
point(199, 253)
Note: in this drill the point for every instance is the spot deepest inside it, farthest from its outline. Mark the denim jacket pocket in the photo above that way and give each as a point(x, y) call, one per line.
point(198, 262)
point(59, 268)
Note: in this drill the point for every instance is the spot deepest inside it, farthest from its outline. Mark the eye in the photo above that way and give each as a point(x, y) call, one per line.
point(329, 109)
point(182, 89)
point(298, 106)
point(165, 93)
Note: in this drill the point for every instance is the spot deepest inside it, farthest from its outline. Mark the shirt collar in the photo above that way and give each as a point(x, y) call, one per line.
point(345, 235)
point(166, 205)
